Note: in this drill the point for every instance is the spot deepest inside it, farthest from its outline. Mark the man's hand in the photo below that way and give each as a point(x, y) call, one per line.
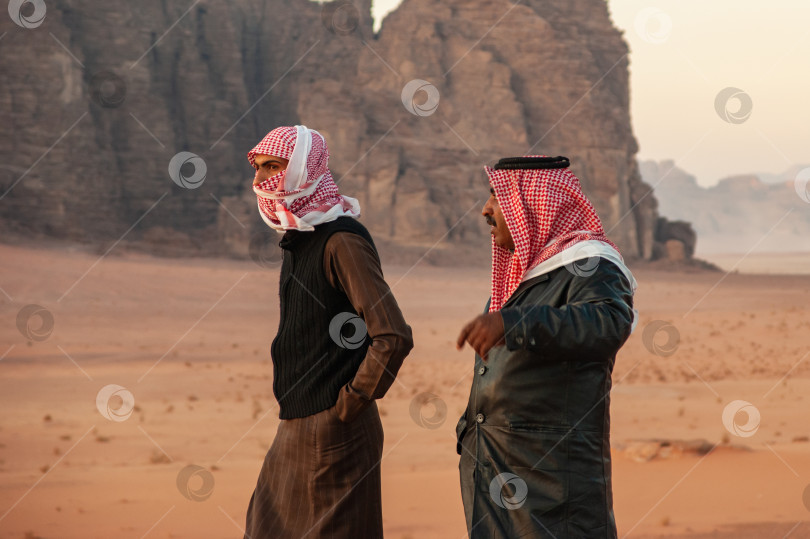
point(484, 332)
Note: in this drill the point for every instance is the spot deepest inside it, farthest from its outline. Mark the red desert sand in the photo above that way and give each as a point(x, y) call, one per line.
point(175, 449)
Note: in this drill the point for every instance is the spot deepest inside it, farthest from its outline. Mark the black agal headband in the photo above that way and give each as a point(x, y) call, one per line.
point(513, 163)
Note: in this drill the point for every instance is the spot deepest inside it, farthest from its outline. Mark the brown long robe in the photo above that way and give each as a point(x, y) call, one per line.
point(321, 476)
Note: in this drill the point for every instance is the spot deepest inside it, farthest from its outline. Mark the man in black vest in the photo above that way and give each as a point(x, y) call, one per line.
point(534, 440)
point(340, 343)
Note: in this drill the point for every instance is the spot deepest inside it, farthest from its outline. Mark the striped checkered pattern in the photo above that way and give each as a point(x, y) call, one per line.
point(546, 212)
point(305, 194)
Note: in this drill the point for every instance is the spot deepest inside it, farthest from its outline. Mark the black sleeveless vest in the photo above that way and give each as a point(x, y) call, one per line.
point(310, 365)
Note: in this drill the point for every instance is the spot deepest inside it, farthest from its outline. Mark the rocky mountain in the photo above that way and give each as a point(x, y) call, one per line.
point(738, 214)
point(785, 177)
point(98, 99)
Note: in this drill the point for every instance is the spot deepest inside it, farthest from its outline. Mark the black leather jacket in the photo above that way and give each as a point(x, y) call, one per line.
point(538, 411)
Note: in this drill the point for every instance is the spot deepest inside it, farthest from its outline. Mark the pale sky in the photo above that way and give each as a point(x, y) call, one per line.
point(686, 53)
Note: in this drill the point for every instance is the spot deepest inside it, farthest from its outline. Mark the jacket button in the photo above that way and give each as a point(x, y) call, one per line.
point(479, 418)
point(482, 370)
point(531, 341)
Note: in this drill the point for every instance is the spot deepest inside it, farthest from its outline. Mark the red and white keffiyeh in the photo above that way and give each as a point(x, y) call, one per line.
point(550, 220)
point(305, 194)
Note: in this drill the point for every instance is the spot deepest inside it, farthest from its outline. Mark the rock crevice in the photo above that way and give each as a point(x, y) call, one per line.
point(550, 78)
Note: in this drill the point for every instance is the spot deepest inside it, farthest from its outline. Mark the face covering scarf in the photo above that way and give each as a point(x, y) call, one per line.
point(551, 222)
point(305, 194)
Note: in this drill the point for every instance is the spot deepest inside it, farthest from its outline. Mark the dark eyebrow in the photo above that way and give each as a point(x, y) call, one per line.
point(271, 161)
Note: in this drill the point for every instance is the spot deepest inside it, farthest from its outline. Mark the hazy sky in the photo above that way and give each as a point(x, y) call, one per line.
point(683, 53)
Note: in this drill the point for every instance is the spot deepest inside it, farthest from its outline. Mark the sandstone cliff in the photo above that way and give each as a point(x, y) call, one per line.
point(97, 100)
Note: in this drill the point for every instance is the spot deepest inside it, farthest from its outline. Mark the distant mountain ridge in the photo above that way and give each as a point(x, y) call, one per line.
point(787, 176)
point(758, 212)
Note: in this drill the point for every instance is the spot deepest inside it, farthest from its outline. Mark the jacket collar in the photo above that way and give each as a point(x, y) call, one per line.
point(525, 285)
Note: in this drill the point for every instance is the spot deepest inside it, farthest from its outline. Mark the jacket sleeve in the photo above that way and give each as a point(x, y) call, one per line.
point(352, 266)
point(595, 320)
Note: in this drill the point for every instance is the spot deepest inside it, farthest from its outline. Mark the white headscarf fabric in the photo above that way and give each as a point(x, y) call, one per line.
point(305, 194)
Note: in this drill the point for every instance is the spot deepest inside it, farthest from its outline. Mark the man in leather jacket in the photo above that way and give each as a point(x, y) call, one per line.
point(534, 439)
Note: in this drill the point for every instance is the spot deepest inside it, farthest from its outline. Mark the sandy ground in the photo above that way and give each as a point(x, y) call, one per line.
point(189, 340)
point(768, 263)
